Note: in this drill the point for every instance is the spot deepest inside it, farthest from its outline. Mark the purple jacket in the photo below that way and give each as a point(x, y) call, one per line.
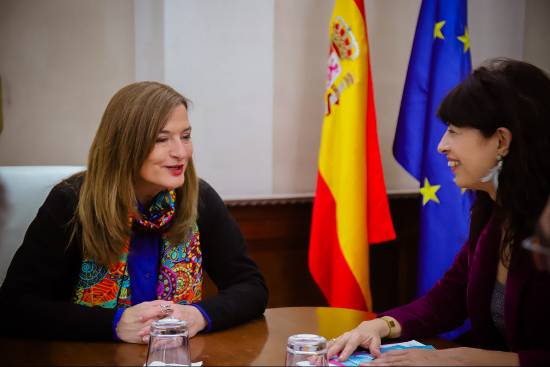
point(465, 292)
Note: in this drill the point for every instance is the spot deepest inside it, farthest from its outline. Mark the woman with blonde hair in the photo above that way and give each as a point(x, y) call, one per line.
point(125, 242)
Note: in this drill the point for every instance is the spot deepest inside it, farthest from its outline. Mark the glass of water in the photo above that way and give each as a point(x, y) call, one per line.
point(306, 350)
point(168, 343)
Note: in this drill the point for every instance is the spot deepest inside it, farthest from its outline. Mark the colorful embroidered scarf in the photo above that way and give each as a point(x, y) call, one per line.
point(180, 273)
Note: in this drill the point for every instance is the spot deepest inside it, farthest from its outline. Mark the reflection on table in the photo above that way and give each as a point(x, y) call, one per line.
point(260, 342)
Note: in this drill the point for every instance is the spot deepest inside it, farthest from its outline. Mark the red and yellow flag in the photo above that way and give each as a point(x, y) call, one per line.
point(351, 207)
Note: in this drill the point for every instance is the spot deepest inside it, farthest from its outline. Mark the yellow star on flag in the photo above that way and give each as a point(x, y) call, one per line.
point(465, 39)
point(428, 192)
point(437, 30)
point(463, 190)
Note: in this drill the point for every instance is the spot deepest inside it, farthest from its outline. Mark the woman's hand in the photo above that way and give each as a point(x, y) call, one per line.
point(195, 319)
point(190, 314)
point(367, 334)
point(448, 357)
point(137, 318)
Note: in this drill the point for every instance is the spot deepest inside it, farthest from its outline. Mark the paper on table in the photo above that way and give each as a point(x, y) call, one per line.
point(162, 364)
point(360, 357)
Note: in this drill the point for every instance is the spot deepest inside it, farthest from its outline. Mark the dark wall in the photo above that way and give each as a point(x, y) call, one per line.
point(393, 263)
point(277, 233)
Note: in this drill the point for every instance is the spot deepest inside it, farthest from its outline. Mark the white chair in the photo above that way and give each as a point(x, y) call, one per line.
point(24, 189)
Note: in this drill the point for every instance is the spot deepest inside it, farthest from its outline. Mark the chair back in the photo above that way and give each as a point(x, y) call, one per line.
point(23, 190)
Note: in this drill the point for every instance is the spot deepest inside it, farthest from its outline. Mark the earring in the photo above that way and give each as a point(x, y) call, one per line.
point(494, 172)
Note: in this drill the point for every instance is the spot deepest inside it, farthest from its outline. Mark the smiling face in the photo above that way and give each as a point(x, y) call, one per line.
point(470, 156)
point(165, 166)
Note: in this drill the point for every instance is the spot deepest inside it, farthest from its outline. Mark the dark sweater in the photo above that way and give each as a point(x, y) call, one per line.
point(35, 299)
point(465, 291)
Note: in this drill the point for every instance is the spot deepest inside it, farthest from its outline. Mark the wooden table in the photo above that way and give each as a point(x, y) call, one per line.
point(260, 342)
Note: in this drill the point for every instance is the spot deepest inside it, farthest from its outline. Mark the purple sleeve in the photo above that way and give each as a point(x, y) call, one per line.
point(206, 317)
point(116, 319)
point(443, 308)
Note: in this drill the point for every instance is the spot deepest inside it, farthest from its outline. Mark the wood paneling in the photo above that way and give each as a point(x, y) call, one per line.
point(277, 234)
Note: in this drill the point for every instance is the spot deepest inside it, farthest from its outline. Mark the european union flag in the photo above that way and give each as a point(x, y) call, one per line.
point(440, 59)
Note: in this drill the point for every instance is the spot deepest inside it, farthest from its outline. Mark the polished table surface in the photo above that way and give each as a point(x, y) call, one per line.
point(259, 342)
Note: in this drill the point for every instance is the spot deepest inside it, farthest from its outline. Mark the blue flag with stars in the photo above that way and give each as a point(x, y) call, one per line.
point(440, 59)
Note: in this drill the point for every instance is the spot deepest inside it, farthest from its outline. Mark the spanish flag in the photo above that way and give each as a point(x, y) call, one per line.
point(351, 206)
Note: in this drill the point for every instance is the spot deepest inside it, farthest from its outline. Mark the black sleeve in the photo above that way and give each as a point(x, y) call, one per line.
point(36, 296)
point(242, 293)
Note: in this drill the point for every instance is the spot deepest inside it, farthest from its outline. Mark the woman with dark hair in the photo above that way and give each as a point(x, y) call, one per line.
point(125, 242)
point(497, 143)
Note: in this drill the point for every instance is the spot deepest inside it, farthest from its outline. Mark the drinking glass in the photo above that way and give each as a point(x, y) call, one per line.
point(168, 343)
point(306, 350)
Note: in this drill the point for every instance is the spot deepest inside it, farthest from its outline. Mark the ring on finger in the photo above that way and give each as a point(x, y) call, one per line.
point(166, 308)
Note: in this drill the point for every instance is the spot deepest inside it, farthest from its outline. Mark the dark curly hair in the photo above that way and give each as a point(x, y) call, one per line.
point(515, 95)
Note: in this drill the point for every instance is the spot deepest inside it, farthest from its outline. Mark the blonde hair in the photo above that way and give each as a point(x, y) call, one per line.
point(126, 136)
